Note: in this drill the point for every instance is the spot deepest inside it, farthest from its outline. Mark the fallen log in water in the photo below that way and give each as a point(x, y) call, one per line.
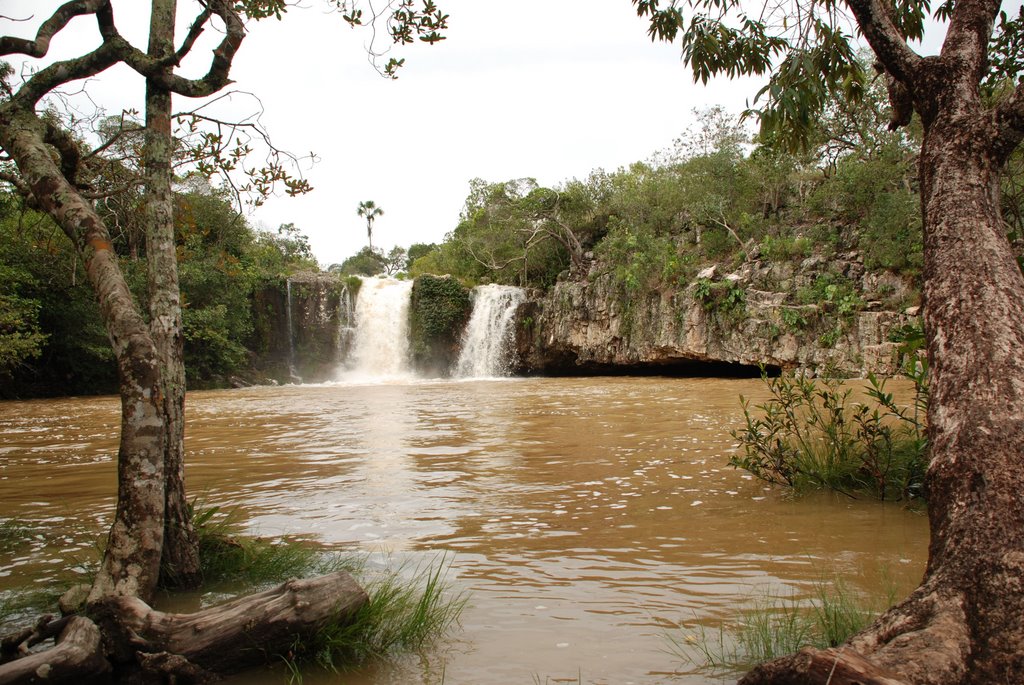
point(198, 647)
point(77, 656)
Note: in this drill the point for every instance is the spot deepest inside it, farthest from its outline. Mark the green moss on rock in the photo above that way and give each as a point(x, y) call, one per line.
point(438, 312)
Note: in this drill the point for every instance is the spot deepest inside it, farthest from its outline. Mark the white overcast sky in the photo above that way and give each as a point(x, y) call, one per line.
point(545, 88)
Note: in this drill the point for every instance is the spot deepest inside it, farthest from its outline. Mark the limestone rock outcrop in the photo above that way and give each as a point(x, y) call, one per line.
point(748, 316)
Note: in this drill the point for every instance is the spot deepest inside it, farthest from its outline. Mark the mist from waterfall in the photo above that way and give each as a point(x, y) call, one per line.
point(380, 344)
point(486, 342)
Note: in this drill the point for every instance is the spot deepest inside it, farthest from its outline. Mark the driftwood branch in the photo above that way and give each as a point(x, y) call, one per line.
point(19, 643)
point(198, 647)
point(240, 633)
point(77, 657)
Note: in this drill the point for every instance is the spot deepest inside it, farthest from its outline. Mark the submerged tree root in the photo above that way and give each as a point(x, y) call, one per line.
point(137, 643)
point(809, 666)
point(77, 656)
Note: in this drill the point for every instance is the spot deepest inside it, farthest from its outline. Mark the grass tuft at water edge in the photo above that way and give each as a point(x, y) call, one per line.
point(775, 626)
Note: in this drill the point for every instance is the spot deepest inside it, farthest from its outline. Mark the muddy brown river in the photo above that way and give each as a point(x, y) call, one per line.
point(583, 517)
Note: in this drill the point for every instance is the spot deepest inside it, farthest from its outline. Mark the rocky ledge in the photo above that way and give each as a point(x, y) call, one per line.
point(755, 315)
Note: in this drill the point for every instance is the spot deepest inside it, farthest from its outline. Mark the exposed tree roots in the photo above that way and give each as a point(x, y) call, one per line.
point(77, 656)
point(923, 641)
point(128, 640)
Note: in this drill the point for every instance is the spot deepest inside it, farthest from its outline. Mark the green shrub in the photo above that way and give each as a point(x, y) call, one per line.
point(353, 284)
point(727, 298)
point(784, 248)
point(717, 243)
point(641, 260)
point(793, 319)
point(809, 435)
point(210, 347)
point(405, 612)
point(832, 292)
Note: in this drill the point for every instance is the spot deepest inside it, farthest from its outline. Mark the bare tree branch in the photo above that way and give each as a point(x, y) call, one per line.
point(112, 191)
point(59, 73)
point(10, 45)
point(220, 65)
point(193, 34)
point(121, 132)
point(970, 28)
point(889, 46)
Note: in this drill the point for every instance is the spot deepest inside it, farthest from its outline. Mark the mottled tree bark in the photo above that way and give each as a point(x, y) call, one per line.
point(151, 522)
point(180, 564)
point(963, 624)
point(149, 356)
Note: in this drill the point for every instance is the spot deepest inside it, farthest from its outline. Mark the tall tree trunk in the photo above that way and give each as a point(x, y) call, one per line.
point(974, 317)
point(963, 624)
point(131, 560)
point(180, 565)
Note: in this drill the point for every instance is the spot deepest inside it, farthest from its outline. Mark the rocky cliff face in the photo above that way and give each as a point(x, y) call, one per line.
point(301, 328)
point(811, 314)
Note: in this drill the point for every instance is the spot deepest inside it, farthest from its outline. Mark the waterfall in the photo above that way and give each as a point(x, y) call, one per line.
point(346, 326)
point(486, 340)
point(291, 332)
point(380, 346)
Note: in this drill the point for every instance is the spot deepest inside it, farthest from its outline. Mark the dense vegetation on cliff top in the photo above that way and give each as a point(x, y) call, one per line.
point(713, 197)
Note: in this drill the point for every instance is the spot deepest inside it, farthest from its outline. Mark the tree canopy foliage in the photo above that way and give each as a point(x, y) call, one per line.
point(51, 337)
point(809, 52)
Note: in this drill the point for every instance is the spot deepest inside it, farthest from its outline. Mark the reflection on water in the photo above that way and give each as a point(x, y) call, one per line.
point(585, 514)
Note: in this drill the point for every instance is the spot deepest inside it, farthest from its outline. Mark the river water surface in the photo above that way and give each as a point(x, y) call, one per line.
point(583, 517)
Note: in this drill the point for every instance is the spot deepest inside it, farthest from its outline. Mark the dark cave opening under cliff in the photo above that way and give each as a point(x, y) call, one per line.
point(679, 368)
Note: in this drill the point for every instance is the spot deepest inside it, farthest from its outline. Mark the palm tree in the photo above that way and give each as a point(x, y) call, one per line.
point(369, 211)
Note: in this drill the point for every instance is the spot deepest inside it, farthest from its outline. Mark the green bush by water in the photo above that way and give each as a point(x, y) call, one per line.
point(809, 435)
point(408, 609)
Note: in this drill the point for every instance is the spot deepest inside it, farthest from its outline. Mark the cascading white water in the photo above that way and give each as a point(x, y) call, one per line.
point(291, 333)
point(488, 335)
point(380, 346)
point(346, 326)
